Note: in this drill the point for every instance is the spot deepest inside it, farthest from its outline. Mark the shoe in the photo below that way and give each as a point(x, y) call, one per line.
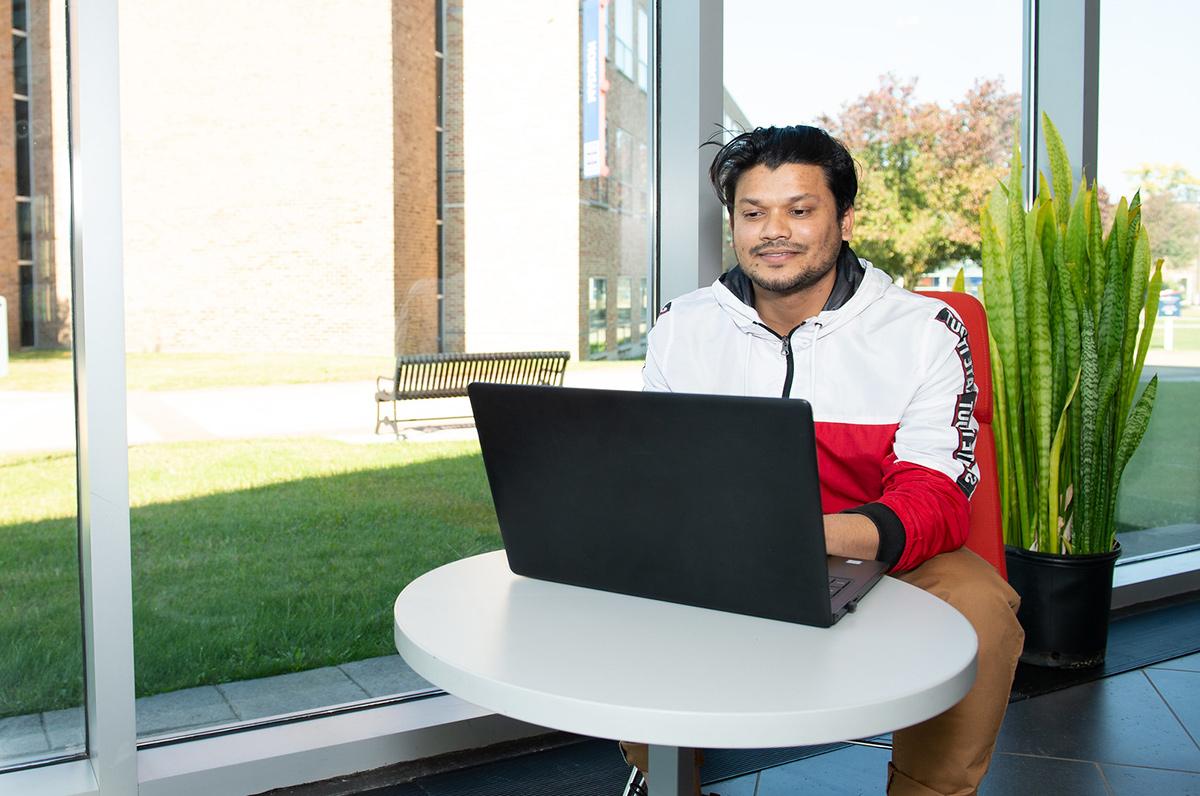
point(636, 786)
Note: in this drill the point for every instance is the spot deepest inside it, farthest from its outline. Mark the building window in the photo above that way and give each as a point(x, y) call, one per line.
point(216, 218)
point(630, 175)
point(20, 64)
point(624, 314)
point(623, 35)
point(641, 178)
point(24, 179)
point(643, 68)
point(622, 173)
point(597, 317)
point(645, 316)
point(24, 230)
point(26, 307)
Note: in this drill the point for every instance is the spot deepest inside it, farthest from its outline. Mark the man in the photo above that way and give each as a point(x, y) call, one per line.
point(801, 316)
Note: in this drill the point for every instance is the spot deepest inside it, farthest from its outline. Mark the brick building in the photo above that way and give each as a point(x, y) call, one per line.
point(35, 275)
point(391, 176)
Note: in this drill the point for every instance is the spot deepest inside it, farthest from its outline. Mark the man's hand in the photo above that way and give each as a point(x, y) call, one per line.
point(851, 536)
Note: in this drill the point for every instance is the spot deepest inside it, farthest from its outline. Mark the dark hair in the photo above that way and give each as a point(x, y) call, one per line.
point(774, 146)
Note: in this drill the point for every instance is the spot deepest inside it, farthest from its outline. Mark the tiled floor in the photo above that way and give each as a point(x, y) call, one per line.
point(1131, 734)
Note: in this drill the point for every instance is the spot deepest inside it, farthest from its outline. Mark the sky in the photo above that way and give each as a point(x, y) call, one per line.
point(788, 61)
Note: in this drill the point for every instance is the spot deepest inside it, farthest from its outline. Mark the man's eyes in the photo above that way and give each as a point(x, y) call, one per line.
point(799, 212)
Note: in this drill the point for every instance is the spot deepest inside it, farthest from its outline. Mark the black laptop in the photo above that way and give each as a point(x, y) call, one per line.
point(706, 500)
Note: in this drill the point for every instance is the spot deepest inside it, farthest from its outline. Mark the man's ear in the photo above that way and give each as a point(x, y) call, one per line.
point(847, 223)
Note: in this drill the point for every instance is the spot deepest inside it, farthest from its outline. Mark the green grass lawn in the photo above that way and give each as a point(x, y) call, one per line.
point(249, 558)
point(1186, 338)
point(1161, 485)
point(50, 371)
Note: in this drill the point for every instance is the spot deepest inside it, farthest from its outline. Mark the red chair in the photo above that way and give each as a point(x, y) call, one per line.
point(986, 537)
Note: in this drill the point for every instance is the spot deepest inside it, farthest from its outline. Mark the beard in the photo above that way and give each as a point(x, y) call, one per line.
point(818, 266)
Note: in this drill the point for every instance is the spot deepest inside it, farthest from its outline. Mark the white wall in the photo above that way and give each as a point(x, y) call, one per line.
point(521, 151)
point(257, 140)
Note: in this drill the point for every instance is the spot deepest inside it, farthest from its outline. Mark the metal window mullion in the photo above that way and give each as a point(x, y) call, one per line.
point(690, 109)
point(1065, 63)
point(106, 580)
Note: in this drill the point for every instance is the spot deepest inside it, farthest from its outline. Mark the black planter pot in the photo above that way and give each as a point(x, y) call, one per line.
point(1065, 602)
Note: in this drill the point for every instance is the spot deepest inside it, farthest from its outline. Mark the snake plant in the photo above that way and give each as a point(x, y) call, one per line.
point(1071, 311)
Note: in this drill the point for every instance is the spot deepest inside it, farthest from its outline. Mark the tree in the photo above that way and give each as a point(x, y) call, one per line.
point(1170, 211)
point(925, 171)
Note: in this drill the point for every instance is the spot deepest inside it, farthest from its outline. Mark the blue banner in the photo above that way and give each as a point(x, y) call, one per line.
point(594, 46)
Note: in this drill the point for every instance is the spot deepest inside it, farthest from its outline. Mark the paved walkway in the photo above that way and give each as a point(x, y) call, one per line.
point(36, 421)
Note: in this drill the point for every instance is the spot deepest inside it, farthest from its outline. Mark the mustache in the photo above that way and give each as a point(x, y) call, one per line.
point(767, 248)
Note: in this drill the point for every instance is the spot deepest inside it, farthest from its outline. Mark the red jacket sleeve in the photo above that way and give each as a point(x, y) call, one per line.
point(931, 473)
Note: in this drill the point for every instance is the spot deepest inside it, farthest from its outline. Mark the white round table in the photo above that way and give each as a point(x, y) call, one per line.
point(676, 676)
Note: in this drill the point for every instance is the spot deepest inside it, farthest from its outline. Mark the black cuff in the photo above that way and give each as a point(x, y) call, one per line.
point(891, 531)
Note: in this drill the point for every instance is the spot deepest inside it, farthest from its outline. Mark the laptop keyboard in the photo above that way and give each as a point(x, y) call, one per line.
point(836, 585)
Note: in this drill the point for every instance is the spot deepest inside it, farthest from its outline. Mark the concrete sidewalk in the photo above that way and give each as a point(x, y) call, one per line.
point(36, 421)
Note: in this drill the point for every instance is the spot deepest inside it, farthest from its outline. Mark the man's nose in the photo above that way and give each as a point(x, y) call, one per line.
point(775, 227)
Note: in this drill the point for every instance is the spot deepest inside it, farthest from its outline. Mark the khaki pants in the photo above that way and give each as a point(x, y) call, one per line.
point(949, 754)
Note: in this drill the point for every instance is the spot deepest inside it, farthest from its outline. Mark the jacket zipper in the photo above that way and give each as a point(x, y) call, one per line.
point(787, 355)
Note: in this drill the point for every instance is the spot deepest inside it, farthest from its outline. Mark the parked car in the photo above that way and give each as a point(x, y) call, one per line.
point(1169, 302)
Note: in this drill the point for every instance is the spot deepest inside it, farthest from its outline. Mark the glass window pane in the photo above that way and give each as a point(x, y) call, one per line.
point(644, 316)
point(278, 260)
point(930, 123)
point(19, 15)
point(20, 65)
point(643, 50)
point(615, 217)
point(24, 169)
point(41, 662)
point(597, 317)
point(1146, 143)
point(24, 230)
point(624, 41)
point(624, 313)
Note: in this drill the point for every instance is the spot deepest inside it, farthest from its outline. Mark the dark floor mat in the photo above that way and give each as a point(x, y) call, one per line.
point(580, 769)
point(1135, 640)
point(588, 768)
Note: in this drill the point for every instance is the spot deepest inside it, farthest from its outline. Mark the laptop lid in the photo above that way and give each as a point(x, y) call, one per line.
point(706, 500)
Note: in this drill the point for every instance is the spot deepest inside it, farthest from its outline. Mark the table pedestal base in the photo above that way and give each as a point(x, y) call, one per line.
point(673, 771)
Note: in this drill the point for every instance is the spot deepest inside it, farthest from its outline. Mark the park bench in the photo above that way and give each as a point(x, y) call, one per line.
point(421, 376)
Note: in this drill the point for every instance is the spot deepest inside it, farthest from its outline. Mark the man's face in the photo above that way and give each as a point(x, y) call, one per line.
point(786, 231)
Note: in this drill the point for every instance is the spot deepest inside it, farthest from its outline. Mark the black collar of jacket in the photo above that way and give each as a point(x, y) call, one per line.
point(849, 276)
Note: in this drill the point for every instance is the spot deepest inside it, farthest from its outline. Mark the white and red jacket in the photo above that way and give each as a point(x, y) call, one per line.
point(890, 380)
